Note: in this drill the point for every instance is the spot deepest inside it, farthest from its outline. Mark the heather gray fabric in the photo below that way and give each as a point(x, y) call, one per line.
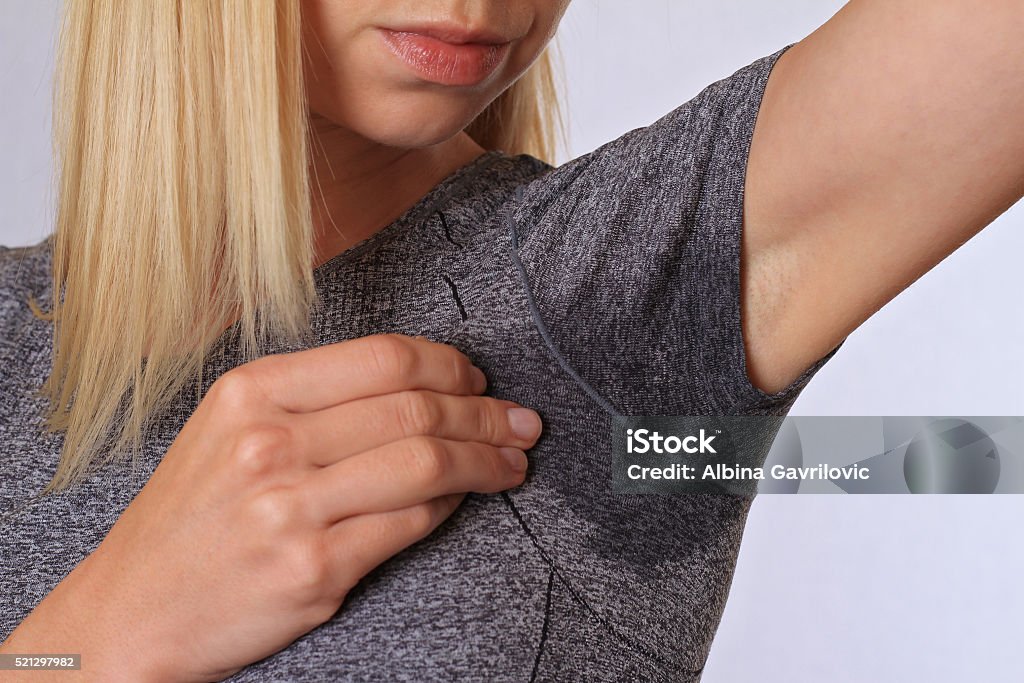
point(608, 284)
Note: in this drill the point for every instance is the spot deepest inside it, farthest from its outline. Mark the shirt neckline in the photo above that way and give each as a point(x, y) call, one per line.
point(423, 207)
point(443, 190)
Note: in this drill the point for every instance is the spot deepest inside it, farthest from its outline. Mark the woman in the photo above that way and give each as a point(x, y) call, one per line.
point(302, 517)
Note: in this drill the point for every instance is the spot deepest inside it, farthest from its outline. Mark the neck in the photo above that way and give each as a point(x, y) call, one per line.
point(360, 187)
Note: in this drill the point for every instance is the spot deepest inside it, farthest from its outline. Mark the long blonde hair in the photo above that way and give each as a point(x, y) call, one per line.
point(183, 202)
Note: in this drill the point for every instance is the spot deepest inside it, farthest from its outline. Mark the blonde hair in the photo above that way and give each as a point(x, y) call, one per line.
point(183, 202)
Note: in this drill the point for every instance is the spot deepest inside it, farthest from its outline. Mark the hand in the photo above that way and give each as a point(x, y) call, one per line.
point(297, 474)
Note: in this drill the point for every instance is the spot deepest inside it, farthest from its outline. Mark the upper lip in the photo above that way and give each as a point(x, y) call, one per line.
point(452, 33)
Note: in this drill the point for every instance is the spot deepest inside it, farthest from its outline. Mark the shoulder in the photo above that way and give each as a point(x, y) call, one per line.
point(24, 273)
point(693, 158)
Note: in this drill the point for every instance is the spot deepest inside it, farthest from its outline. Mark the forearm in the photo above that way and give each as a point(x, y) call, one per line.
point(76, 618)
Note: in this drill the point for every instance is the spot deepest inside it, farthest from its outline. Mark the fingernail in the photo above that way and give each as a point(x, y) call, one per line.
point(479, 380)
point(516, 458)
point(525, 423)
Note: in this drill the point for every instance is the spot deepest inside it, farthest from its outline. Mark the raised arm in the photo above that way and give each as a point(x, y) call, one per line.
point(886, 139)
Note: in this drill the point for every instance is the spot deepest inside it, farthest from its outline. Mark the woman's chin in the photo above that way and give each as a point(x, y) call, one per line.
point(405, 121)
point(409, 136)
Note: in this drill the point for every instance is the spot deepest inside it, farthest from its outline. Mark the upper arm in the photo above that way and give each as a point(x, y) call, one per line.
point(885, 139)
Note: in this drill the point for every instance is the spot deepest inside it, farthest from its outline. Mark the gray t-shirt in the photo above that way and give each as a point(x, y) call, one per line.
point(607, 285)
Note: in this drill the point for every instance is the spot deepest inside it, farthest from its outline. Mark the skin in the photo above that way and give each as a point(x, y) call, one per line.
point(384, 137)
point(886, 139)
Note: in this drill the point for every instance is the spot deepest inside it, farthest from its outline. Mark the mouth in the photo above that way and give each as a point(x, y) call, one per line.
point(448, 55)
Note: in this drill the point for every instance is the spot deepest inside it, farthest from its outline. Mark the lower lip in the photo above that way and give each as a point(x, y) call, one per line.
point(445, 63)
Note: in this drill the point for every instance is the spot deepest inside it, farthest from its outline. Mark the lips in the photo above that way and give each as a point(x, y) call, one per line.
point(446, 55)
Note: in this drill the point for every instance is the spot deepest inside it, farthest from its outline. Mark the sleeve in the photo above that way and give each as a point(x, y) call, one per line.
point(632, 256)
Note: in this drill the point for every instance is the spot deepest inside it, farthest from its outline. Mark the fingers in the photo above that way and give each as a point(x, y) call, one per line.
point(408, 472)
point(363, 424)
point(356, 545)
point(317, 378)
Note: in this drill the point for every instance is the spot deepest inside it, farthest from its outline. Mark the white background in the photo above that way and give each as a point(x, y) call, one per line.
point(828, 588)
